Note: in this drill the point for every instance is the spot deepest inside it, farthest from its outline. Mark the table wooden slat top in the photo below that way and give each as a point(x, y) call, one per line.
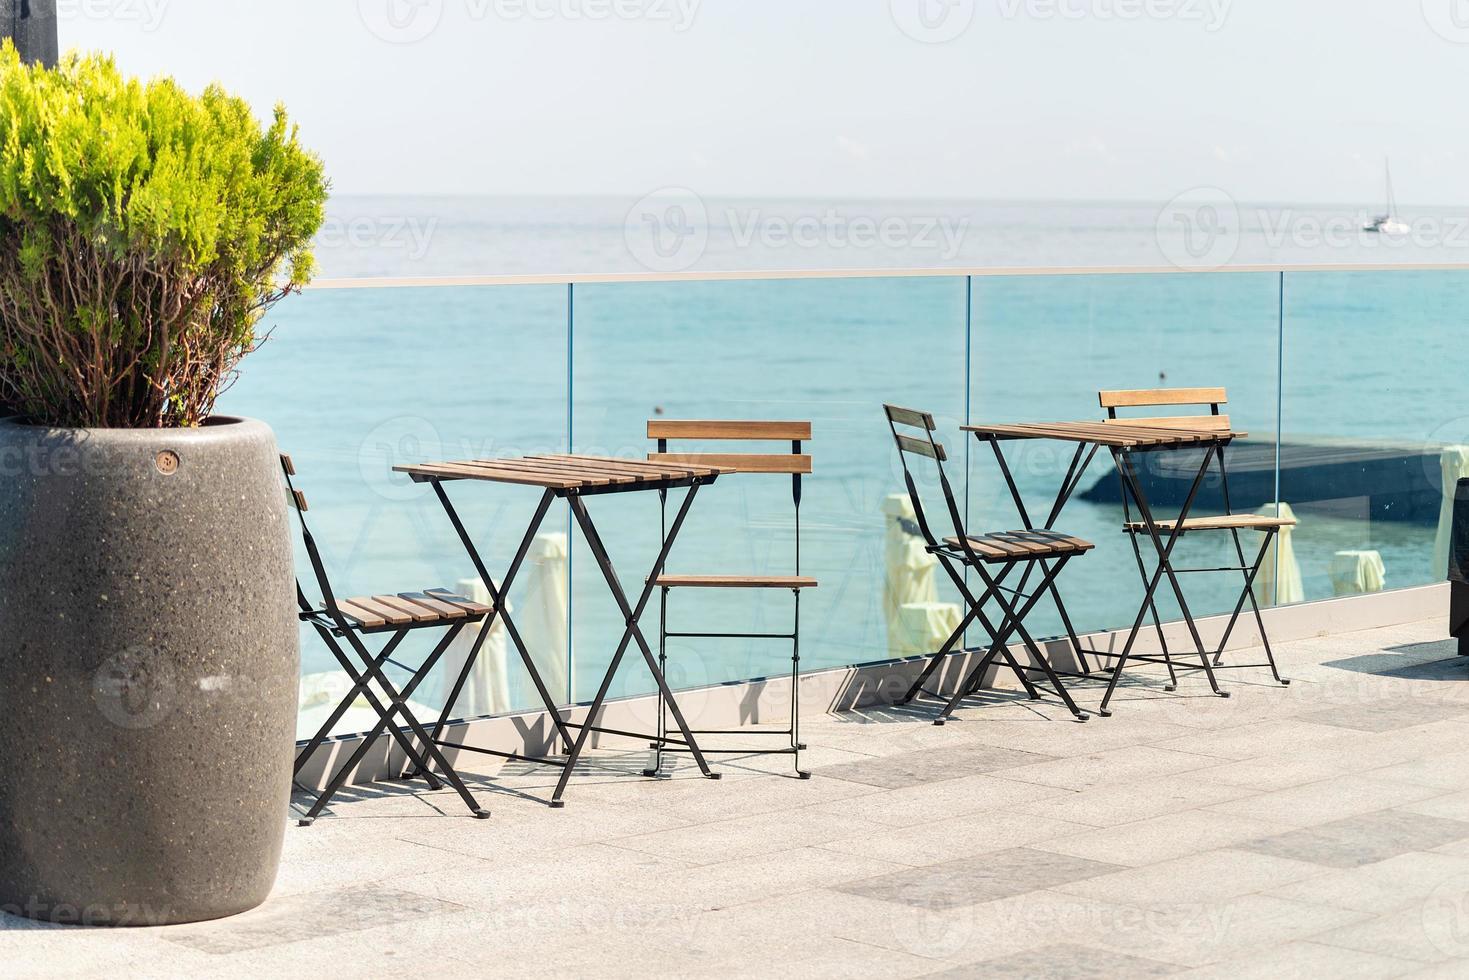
point(1115, 434)
point(563, 471)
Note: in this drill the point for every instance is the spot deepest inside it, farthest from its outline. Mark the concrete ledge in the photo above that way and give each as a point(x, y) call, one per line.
point(766, 701)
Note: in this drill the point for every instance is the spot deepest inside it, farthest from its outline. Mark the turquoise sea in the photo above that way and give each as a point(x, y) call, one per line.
point(357, 380)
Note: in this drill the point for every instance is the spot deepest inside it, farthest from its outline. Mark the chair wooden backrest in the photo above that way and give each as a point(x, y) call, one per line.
point(297, 500)
point(1215, 421)
point(794, 462)
point(927, 446)
point(797, 462)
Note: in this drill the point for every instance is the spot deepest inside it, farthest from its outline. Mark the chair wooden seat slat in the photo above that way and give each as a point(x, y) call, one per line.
point(409, 608)
point(366, 618)
point(1223, 522)
point(474, 608)
point(1210, 423)
point(388, 614)
point(736, 581)
point(740, 462)
point(420, 614)
point(998, 546)
point(420, 603)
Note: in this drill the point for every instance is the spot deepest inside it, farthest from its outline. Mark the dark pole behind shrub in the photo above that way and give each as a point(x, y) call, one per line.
point(33, 25)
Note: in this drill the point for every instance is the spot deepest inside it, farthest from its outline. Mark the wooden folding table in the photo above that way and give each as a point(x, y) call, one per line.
point(572, 478)
point(1126, 442)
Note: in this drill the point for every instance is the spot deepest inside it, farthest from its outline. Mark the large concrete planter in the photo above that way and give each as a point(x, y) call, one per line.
point(148, 671)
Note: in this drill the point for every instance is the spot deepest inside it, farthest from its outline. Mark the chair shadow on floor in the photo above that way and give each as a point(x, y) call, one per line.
point(868, 695)
point(520, 780)
point(1436, 660)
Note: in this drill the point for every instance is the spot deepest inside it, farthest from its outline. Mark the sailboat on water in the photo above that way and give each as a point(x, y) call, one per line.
point(1389, 223)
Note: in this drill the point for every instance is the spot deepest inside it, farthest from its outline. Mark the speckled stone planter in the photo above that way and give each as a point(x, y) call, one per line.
point(148, 671)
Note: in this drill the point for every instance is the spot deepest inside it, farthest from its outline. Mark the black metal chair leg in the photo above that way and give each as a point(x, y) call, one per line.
point(796, 745)
point(937, 659)
point(1157, 620)
point(399, 701)
point(1249, 595)
point(971, 682)
point(362, 685)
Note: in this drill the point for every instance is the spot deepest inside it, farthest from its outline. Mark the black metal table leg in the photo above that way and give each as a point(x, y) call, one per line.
point(1081, 460)
point(632, 631)
point(1132, 488)
point(500, 609)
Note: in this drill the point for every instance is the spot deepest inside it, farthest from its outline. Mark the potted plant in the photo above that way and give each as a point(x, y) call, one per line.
point(148, 642)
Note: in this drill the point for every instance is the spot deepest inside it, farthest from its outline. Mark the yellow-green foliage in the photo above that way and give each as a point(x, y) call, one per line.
point(143, 233)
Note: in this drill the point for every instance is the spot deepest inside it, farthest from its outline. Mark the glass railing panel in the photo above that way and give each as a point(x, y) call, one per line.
point(357, 381)
point(1374, 425)
point(828, 351)
point(1044, 346)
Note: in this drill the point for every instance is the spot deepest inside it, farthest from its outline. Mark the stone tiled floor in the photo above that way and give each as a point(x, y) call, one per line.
point(1315, 830)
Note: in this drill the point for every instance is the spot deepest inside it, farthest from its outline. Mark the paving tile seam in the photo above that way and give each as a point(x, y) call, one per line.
point(1319, 939)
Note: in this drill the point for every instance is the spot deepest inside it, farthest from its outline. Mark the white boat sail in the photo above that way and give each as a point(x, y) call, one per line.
point(1389, 223)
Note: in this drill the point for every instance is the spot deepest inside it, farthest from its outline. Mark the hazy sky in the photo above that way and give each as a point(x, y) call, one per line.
point(1278, 100)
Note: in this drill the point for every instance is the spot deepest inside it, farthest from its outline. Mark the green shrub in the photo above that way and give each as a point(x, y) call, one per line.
point(144, 232)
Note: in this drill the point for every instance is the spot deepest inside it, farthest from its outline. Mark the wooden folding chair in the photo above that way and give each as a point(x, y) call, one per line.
point(993, 556)
point(795, 464)
point(1268, 527)
point(396, 615)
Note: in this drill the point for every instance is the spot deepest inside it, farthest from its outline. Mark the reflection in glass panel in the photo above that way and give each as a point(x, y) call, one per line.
point(828, 351)
point(1044, 346)
point(355, 382)
point(1373, 424)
